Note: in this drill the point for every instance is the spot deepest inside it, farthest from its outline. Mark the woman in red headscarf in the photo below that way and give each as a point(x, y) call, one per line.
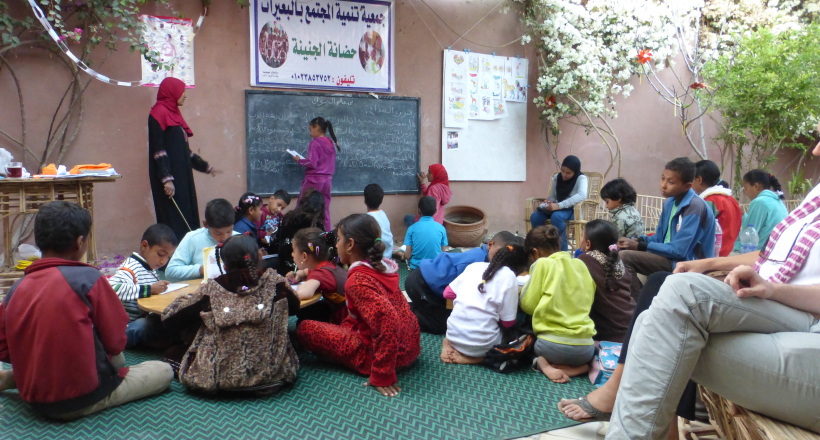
point(439, 189)
point(171, 162)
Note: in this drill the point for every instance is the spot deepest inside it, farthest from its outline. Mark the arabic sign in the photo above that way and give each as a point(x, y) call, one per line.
point(344, 45)
point(173, 38)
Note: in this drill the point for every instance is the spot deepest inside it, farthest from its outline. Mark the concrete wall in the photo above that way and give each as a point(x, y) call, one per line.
point(115, 120)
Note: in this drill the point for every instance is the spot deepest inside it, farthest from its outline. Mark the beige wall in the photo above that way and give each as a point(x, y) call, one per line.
point(115, 121)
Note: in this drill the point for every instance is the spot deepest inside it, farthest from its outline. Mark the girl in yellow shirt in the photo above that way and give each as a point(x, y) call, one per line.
point(559, 297)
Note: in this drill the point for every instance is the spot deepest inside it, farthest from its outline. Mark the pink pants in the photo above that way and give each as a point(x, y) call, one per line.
point(321, 183)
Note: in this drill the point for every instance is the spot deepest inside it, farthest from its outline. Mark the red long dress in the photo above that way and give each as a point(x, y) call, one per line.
point(380, 333)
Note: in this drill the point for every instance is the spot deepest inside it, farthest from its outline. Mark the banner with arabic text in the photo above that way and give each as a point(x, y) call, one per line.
point(342, 45)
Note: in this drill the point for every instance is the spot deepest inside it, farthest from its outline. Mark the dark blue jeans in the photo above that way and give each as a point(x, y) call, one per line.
point(558, 219)
point(150, 332)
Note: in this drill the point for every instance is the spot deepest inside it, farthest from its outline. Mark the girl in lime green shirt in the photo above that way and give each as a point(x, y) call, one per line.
point(559, 297)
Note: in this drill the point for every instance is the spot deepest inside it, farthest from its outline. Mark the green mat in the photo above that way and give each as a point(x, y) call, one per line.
point(438, 401)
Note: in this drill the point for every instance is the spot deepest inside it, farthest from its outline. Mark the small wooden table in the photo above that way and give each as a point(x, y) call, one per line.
point(20, 197)
point(158, 303)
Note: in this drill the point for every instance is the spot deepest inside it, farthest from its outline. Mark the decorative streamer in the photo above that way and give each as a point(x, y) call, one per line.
point(44, 21)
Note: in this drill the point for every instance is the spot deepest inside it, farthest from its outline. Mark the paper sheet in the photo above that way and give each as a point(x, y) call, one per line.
point(455, 69)
point(174, 286)
point(455, 104)
point(211, 268)
point(293, 153)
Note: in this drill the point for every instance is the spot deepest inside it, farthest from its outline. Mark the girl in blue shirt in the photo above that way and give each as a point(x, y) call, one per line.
point(248, 213)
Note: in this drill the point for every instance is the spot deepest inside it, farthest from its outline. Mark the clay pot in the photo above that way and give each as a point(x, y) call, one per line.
point(466, 226)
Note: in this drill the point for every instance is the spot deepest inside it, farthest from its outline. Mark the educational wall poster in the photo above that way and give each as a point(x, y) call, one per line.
point(452, 140)
point(343, 45)
point(455, 104)
point(455, 66)
point(173, 39)
point(521, 68)
point(492, 147)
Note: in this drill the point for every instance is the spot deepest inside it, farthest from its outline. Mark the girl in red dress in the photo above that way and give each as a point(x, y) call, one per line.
point(380, 333)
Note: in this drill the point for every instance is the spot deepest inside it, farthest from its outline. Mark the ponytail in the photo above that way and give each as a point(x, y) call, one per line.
point(366, 234)
point(246, 202)
point(766, 181)
point(239, 253)
point(512, 256)
point(326, 127)
point(603, 237)
point(612, 267)
point(313, 241)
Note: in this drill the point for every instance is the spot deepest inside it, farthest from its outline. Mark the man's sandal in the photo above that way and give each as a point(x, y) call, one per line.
point(583, 403)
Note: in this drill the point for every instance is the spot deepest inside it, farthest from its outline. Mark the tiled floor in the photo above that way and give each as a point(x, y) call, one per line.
point(586, 431)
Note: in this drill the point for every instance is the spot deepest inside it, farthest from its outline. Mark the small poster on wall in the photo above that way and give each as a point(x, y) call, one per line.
point(172, 40)
point(452, 140)
point(344, 45)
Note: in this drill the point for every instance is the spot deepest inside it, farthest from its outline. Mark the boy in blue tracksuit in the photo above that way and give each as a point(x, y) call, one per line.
point(686, 230)
point(425, 286)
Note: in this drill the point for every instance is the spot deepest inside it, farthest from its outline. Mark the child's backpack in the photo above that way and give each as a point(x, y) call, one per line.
point(606, 359)
point(510, 356)
point(340, 274)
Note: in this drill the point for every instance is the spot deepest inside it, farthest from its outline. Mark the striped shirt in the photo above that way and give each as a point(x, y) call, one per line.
point(132, 281)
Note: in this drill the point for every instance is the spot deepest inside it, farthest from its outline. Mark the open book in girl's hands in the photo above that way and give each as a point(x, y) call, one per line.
point(293, 153)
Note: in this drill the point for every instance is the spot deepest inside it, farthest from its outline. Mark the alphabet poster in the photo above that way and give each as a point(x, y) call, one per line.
point(344, 45)
point(173, 40)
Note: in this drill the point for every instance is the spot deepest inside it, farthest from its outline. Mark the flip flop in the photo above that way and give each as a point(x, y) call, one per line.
point(596, 415)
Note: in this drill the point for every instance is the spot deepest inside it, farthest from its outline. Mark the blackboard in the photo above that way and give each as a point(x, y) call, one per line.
point(379, 138)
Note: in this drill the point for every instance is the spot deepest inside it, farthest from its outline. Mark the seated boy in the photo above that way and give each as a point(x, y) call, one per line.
point(686, 230)
point(620, 199)
point(272, 216)
point(373, 196)
point(137, 278)
point(187, 264)
point(62, 327)
point(425, 286)
point(426, 238)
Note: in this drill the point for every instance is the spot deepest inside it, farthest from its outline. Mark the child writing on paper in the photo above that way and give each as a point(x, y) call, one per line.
point(485, 297)
point(187, 262)
point(137, 278)
point(315, 257)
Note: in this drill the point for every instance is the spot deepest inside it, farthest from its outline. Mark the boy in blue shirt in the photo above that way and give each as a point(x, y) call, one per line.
point(186, 264)
point(425, 286)
point(373, 197)
point(426, 238)
point(686, 230)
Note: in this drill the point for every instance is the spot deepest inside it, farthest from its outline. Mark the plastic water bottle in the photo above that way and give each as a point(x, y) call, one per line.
point(718, 238)
point(749, 240)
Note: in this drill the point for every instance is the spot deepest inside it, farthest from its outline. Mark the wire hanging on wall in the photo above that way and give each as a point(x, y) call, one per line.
point(80, 64)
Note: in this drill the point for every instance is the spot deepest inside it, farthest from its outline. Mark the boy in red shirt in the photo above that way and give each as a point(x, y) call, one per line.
point(272, 216)
point(62, 327)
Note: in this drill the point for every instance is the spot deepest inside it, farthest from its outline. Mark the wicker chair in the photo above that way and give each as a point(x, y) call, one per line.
point(734, 422)
point(584, 212)
point(650, 208)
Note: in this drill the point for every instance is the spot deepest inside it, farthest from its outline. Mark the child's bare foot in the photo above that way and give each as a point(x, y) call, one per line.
point(7, 381)
point(447, 351)
point(554, 374)
point(452, 356)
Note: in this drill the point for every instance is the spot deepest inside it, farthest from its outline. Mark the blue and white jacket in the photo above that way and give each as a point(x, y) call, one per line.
point(693, 231)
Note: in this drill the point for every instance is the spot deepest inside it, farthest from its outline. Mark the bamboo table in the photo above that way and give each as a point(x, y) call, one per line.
point(158, 303)
point(21, 197)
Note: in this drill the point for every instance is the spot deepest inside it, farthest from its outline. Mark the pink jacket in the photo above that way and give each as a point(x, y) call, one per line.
point(442, 195)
